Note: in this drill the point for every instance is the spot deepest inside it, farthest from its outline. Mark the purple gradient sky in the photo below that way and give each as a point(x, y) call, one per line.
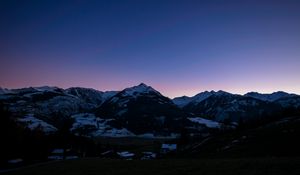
point(178, 47)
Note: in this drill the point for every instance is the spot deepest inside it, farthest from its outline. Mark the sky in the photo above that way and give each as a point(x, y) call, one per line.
point(177, 47)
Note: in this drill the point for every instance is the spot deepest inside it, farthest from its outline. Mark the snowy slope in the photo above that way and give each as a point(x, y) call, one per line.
point(138, 90)
point(33, 123)
point(53, 101)
point(231, 107)
point(206, 122)
point(122, 99)
point(183, 101)
point(89, 95)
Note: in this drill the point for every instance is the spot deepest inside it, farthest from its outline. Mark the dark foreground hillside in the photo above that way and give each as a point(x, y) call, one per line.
point(251, 166)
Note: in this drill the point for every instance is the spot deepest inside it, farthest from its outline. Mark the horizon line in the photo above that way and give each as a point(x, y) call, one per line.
point(212, 90)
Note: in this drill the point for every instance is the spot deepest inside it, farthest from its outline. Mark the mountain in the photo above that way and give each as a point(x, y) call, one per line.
point(52, 100)
point(4, 91)
point(223, 106)
point(139, 110)
point(289, 102)
point(44, 101)
point(269, 97)
point(90, 95)
point(184, 100)
point(230, 107)
point(142, 109)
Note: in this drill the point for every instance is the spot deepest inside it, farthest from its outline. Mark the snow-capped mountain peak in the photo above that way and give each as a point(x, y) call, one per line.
point(139, 89)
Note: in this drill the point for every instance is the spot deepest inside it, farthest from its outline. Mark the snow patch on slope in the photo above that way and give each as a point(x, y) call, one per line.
point(184, 101)
point(206, 122)
point(90, 125)
point(33, 123)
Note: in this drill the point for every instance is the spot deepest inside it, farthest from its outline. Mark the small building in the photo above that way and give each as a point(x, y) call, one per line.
point(166, 148)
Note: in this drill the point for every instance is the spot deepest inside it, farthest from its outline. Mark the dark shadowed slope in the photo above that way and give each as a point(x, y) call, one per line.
point(256, 166)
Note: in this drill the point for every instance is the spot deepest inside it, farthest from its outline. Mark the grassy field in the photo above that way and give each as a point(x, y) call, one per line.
point(251, 166)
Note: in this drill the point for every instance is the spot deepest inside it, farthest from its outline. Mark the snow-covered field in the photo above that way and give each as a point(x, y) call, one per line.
point(125, 154)
point(95, 126)
point(206, 122)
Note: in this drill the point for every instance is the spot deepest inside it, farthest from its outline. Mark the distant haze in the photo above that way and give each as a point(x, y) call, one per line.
point(178, 47)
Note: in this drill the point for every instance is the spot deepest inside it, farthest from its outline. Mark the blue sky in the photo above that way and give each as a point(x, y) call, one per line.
point(178, 47)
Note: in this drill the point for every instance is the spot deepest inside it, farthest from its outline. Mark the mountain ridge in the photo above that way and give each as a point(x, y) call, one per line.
point(138, 110)
point(4, 90)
